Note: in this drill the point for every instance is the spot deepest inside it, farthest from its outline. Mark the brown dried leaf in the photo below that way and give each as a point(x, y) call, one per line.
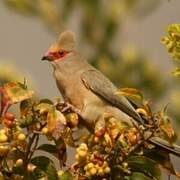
point(51, 120)
point(12, 93)
point(166, 126)
point(17, 92)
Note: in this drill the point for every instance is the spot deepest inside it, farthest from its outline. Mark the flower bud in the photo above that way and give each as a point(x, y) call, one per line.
point(3, 150)
point(3, 138)
point(107, 170)
point(89, 166)
point(38, 125)
point(44, 130)
point(125, 164)
point(21, 137)
point(96, 139)
point(88, 174)
point(2, 131)
point(31, 167)
point(101, 171)
point(60, 173)
point(19, 162)
point(73, 119)
point(82, 153)
point(93, 171)
point(83, 146)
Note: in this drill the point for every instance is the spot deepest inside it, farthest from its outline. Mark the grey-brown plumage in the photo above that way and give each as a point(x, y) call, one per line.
point(88, 90)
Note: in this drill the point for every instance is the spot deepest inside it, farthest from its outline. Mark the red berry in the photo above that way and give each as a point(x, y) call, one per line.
point(9, 116)
point(8, 123)
point(100, 132)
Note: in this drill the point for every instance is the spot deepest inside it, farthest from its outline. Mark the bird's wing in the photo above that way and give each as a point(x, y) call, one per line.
point(174, 149)
point(102, 86)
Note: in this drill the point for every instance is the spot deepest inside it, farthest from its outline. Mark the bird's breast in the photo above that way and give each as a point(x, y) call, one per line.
point(75, 92)
point(90, 105)
point(73, 89)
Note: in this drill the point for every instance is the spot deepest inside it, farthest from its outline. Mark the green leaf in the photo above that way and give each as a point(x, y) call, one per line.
point(28, 120)
point(47, 101)
point(19, 171)
point(46, 165)
point(43, 107)
point(66, 176)
point(50, 148)
point(162, 158)
point(145, 165)
point(139, 176)
point(24, 105)
point(176, 72)
point(172, 41)
point(16, 92)
point(32, 176)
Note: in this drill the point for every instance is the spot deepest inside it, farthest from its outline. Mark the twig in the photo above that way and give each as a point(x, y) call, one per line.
point(34, 147)
point(31, 140)
point(138, 145)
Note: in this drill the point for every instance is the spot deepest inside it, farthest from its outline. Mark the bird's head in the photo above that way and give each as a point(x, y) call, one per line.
point(62, 49)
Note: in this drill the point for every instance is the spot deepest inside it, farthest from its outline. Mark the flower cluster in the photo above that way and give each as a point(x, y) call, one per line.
point(172, 43)
point(172, 40)
point(117, 150)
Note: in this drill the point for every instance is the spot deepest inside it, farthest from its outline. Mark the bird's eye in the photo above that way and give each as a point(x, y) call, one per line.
point(61, 53)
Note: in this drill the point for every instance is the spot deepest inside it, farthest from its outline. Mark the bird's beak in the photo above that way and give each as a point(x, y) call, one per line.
point(44, 58)
point(47, 57)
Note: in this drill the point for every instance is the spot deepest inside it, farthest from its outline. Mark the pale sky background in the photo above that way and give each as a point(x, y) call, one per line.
point(24, 40)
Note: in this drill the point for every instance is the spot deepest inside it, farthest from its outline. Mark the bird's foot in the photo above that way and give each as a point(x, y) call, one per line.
point(69, 106)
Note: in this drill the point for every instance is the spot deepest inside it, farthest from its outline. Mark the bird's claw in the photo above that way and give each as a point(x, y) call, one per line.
point(69, 106)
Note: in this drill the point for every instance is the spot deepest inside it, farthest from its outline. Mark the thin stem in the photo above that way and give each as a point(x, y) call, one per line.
point(138, 145)
point(31, 141)
point(34, 147)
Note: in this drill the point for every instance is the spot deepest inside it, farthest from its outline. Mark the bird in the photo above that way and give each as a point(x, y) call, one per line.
point(90, 93)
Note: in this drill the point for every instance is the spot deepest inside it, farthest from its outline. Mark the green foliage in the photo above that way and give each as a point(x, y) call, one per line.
point(145, 165)
point(176, 72)
point(66, 176)
point(46, 165)
point(138, 176)
point(117, 151)
point(172, 40)
point(48, 148)
point(172, 43)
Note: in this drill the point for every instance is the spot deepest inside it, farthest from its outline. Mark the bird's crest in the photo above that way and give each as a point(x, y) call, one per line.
point(66, 41)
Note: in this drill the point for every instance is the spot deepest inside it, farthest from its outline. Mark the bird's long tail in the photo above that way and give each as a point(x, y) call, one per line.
point(173, 149)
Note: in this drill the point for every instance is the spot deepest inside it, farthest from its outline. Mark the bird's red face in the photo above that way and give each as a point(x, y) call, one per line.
point(62, 48)
point(56, 55)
